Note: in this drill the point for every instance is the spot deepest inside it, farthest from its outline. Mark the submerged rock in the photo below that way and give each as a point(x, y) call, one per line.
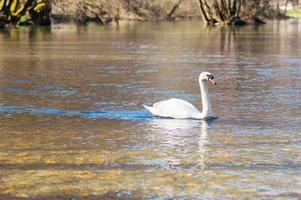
point(258, 21)
point(237, 21)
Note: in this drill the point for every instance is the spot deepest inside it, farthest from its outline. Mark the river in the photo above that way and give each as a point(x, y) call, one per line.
point(72, 124)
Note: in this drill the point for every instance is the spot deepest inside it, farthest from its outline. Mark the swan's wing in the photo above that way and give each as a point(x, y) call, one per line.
point(175, 108)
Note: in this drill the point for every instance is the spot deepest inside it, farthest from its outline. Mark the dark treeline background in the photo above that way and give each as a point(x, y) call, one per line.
point(234, 12)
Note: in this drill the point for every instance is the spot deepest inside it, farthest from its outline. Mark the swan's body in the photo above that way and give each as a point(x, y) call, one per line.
point(175, 108)
point(180, 109)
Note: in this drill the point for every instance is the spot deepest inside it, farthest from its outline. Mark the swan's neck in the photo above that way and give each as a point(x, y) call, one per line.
point(207, 111)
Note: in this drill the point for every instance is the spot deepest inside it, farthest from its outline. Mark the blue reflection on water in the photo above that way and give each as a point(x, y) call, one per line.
point(134, 115)
point(122, 115)
point(104, 114)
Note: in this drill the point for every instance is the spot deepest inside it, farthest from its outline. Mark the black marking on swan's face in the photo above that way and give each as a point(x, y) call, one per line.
point(210, 79)
point(210, 76)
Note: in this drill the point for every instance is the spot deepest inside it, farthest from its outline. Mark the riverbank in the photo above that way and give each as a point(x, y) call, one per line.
point(43, 12)
point(104, 12)
point(160, 10)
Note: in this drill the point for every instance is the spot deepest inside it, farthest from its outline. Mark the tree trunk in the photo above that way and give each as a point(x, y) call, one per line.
point(286, 4)
point(204, 12)
point(173, 10)
point(229, 11)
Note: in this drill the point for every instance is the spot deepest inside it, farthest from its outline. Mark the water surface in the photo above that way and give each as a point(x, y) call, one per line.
point(73, 125)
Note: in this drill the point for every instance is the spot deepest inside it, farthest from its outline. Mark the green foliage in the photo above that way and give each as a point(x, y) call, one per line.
point(294, 13)
point(26, 12)
point(23, 18)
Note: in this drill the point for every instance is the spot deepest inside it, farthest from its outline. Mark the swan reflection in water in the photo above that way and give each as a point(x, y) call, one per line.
point(202, 144)
point(180, 142)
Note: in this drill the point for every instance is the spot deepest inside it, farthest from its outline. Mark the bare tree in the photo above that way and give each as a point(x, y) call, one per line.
point(260, 6)
point(173, 10)
point(232, 11)
point(220, 11)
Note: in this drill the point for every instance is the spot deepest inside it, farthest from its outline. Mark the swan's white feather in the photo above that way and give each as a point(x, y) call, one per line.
point(178, 108)
point(174, 108)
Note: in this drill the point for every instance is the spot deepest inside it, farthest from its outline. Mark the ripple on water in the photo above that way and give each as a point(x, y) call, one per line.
point(112, 148)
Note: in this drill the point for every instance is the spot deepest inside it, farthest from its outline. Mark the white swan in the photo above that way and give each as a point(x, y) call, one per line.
point(180, 109)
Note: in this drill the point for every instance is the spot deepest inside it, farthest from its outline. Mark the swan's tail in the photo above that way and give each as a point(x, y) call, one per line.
point(150, 109)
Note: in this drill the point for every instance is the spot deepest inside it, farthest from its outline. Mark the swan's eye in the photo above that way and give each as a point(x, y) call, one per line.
point(210, 77)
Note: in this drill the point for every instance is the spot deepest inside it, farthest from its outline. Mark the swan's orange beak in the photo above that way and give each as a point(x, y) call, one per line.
point(212, 81)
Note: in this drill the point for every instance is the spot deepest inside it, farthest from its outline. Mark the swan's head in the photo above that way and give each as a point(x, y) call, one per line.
point(207, 76)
